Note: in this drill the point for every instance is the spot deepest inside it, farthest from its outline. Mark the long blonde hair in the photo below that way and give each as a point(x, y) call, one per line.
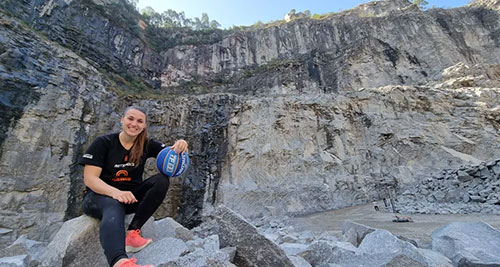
point(137, 150)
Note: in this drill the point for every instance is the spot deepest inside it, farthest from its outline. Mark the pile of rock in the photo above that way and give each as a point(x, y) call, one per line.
point(227, 239)
point(467, 189)
point(456, 244)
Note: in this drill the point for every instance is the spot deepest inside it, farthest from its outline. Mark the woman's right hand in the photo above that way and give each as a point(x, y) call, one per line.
point(124, 197)
point(91, 179)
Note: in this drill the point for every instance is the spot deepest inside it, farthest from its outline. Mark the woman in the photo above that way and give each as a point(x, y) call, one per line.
point(114, 165)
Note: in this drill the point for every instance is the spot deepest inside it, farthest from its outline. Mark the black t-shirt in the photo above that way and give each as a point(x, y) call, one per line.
point(108, 153)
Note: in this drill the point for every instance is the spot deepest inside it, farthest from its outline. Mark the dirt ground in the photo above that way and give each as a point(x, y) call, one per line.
point(420, 230)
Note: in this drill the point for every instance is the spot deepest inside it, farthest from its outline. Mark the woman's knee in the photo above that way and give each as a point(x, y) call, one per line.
point(113, 213)
point(161, 182)
point(111, 205)
point(97, 205)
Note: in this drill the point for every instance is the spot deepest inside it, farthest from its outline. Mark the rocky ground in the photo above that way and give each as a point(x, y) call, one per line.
point(468, 189)
point(419, 230)
point(357, 236)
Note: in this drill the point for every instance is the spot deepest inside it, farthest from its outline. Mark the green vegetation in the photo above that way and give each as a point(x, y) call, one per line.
point(121, 13)
point(160, 31)
point(170, 29)
point(291, 16)
point(172, 19)
point(420, 3)
point(130, 86)
point(162, 39)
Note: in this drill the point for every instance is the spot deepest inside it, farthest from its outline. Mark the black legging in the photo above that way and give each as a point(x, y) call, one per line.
point(149, 194)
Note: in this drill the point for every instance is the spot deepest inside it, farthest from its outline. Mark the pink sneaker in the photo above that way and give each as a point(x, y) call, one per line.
point(131, 263)
point(134, 242)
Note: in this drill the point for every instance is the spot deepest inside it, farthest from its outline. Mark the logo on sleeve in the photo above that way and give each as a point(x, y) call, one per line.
point(88, 156)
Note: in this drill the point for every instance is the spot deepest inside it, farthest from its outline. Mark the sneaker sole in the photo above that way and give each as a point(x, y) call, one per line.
point(137, 249)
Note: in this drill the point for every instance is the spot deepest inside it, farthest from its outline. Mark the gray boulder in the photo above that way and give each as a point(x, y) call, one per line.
point(403, 260)
point(253, 249)
point(354, 232)
point(76, 244)
point(464, 176)
point(468, 243)
point(381, 247)
point(211, 243)
point(162, 251)
point(299, 261)
point(15, 261)
point(24, 246)
point(168, 227)
point(202, 258)
point(293, 248)
point(326, 253)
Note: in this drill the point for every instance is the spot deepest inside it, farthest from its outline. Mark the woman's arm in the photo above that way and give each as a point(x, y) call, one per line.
point(91, 179)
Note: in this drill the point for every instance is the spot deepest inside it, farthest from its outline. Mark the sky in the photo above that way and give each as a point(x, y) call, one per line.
point(244, 13)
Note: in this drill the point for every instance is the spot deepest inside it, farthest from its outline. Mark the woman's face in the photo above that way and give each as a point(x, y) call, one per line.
point(133, 122)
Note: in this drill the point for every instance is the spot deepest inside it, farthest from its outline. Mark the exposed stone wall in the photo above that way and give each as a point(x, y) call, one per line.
point(348, 50)
point(38, 154)
point(301, 154)
point(375, 44)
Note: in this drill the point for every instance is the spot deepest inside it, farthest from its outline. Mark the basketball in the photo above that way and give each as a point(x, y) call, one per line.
point(172, 164)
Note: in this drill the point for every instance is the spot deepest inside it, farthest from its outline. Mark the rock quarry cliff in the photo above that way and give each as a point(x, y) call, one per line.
point(289, 119)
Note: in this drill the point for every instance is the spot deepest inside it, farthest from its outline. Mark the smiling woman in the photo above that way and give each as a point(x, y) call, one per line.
point(133, 134)
point(114, 166)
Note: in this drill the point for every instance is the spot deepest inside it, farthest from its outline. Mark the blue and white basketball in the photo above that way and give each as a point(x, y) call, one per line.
point(170, 163)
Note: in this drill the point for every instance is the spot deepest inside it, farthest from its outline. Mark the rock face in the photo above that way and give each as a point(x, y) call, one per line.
point(372, 45)
point(291, 119)
point(350, 148)
point(46, 131)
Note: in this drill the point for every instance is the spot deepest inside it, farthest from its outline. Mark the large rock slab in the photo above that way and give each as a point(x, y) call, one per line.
point(322, 253)
point(293, 248)
point(24, 246)
point(403, 260)
point(381, 247)
point(15, 261)
point(468, 244)
point(168, 227)
point(354, 232)
point(162, 251)
point(76, 244)
point(202, 258)
point(252, 248)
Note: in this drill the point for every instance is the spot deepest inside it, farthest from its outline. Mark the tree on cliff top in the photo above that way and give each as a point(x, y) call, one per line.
point(172, 19)
point(420, 3)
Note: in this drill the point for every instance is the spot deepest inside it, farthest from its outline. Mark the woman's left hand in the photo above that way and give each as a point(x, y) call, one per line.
point(180, 146)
